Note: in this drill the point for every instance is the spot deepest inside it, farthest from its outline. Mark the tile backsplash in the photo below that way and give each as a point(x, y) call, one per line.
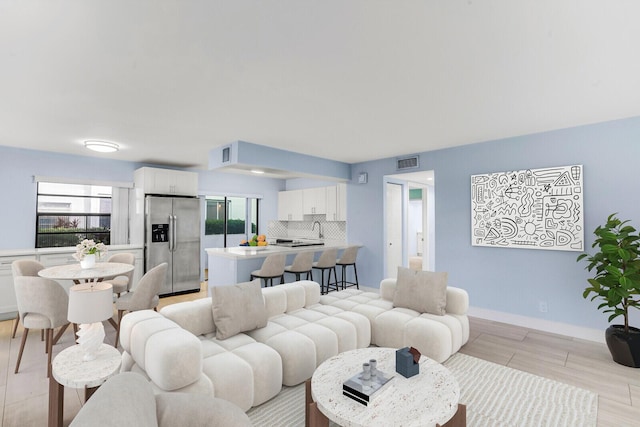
point(332, 230)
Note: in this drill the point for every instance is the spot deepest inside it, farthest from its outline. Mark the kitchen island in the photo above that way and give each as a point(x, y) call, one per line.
point(228, 266)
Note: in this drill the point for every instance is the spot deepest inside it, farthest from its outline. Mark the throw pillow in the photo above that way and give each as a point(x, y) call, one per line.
point(422, 291)
point(238, 308)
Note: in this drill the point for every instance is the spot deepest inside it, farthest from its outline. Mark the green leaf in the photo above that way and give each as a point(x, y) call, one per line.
point(609, 248)
point(614, 271)
point(624, 254)
point(625, 282)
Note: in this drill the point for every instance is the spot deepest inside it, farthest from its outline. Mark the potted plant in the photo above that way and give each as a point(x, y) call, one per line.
point(617, 284)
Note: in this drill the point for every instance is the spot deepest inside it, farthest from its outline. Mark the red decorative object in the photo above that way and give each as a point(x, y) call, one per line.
point(416, 354)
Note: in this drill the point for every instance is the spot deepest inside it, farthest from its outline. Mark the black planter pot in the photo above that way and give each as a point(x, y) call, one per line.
point(624, 348)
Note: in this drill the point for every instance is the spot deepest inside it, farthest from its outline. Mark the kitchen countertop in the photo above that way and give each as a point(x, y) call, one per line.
point(248, 252)
point(68, 249)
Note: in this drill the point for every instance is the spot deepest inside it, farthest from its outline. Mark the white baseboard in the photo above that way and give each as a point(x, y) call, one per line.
point(559, 328)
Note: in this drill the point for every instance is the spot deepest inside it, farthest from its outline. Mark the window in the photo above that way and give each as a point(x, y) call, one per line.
point(69, 213)
point(232, 218)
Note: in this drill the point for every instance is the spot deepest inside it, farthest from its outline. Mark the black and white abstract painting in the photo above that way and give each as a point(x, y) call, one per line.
point(533, 209)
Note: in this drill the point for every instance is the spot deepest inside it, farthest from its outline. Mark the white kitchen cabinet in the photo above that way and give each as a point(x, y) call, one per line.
point(290, 205)
point(61, 258)
point(314, 201)
point(8, 304)
point(166, 181)
point(337, 202)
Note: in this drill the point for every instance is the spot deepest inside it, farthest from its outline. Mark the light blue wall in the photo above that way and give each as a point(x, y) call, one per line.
point(511, 280)
point(18, 189)
point(504, 280)
point(302, 183)
point(261, 156)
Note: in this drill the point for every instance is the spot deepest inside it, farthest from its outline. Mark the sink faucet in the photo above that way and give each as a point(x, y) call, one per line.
point(320, 235)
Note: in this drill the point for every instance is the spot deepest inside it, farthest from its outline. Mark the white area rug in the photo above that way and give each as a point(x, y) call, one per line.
point(495, 396)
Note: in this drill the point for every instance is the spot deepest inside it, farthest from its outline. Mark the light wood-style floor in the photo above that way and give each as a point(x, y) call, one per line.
point(581, 363)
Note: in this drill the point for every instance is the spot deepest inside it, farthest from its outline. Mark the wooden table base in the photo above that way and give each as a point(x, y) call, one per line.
point(312, 415)
point(56, 401)
point(314, 418)
point(459, 419)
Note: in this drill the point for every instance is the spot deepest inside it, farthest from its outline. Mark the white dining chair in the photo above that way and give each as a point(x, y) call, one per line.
point(122, 283)
point(144, 296)
point(23, 267)
point(42, 304)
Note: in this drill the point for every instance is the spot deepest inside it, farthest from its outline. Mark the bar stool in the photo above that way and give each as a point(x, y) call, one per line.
point(349, 258)
point(327, 261)
point(302, 263)
point(272, 267)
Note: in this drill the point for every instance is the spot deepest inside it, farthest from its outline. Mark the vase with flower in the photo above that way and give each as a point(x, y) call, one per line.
point(88, 251)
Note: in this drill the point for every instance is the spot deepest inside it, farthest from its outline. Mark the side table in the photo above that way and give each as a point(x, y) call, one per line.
point(68, 369)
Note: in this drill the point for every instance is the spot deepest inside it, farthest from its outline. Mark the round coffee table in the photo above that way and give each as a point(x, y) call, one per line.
point(426, 399)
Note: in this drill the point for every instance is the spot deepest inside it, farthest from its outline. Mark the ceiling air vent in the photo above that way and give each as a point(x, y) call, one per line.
point(407, 163)
point(226, 154)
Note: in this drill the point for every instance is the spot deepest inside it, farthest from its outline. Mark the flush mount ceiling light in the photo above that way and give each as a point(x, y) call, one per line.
point(257, 171)
point(101, 146)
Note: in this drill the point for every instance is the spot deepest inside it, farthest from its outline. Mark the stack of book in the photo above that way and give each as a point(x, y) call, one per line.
point(364, 391)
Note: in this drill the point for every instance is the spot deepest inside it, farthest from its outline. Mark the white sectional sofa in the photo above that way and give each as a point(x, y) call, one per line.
point(250, 368)
point(180, 348)
point(435, 336)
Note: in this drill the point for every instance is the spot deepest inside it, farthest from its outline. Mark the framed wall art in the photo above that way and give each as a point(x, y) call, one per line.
point(533, 209)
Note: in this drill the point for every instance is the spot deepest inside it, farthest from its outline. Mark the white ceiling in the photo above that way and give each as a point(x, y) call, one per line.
point(349, 80)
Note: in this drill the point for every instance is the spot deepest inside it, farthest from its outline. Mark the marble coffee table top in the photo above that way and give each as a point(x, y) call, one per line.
point(423, 400)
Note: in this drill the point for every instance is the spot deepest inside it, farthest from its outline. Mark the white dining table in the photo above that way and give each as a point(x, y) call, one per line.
point(101, 271)
point(97, 273)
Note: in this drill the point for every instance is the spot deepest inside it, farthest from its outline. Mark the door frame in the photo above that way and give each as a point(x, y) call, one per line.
point(404, 197)
point(422, 178)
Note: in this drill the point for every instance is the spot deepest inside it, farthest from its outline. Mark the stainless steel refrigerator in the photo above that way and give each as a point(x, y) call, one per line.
point(172, 235)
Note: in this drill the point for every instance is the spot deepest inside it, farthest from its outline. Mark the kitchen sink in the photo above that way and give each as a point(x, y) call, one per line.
point(296, 243)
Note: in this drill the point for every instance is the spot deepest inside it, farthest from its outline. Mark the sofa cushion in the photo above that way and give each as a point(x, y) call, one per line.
point(194, 316)
point(172, 410)
point(177, 365)
point(238, 308)
point(422, 291)
point(125, 399)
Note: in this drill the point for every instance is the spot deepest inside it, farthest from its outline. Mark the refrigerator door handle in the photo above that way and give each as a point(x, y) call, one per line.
point(175, 232)
point(171, 227)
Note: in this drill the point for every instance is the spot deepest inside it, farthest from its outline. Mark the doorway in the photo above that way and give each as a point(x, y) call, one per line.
point(393, 228)
point(409, 221)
